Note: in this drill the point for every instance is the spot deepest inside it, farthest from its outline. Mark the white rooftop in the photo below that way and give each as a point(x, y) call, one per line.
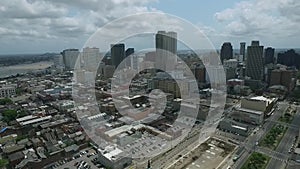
point(25, 118)
point(251, 111)
point(112, 152)
point(262, 98)
point(35, 120)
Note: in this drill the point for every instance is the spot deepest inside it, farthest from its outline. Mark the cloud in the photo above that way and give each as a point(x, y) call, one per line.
point(262, 18)
point(58, 21)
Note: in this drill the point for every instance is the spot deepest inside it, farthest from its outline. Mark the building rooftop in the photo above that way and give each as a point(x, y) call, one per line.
point(35, 120)
point(111, 152)
point(26, 118)
point(251, 111)
point(16, 156)
point(54, 123)
point(239, 127)
point(262, 98)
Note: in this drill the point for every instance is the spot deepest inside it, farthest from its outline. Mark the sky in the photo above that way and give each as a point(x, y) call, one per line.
point(39, 26)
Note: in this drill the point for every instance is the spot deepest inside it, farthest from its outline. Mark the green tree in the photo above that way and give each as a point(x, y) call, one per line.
point(19, 91)
point(298, 75)
point(3, 163)
point(5, 101)
point(9, 115)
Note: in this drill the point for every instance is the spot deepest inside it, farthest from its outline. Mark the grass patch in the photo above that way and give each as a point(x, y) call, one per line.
point(288, 116)
point(274, 136)
point(256, 161)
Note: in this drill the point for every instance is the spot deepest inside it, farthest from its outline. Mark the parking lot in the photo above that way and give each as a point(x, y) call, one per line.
point(85, 159)
point(208, 155)
point(209, 159)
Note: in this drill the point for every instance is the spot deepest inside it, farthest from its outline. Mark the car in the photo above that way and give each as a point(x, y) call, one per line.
point(85, 165)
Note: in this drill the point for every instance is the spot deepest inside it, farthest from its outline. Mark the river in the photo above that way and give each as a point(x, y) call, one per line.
point(6, 71)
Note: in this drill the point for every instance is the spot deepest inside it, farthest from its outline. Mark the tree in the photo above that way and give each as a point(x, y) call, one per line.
point(3, 163)
point(298, 75)
point(9, 115)
point(5, 101)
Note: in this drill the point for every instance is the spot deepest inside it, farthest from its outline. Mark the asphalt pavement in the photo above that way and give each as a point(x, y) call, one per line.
point(251, 141)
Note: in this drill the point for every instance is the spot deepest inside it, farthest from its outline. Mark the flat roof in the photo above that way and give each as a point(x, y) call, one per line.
point(251, 111)
point(35, 120)
point(53, 123)
point(262, 98)
point(25, 118)
point(96, 116)
point(113, 152)
point(189, 105)
point(118, 130)
point(239, 127)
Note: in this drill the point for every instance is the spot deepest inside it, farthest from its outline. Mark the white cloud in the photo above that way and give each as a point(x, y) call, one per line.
point(262, 19)
point(59, 21)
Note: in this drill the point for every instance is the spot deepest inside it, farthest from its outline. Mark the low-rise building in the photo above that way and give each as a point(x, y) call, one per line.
point(259, 103)
point(231, 126)
point(7, 91)
point(248, 116)
point(114, 158)
point(253, 110)
point(32, 119)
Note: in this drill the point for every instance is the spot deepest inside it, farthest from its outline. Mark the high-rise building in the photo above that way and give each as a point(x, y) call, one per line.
point(284, 77)
point(58, 61)
point(199, 73)
point(70, 57)
point(289, 58)
point(230, 67)
point(255, 63)
point(117, 53)
point(269, 55)
point(166, 49)
point(243, 50)
point(90, 58)
point(128, 52)
point(226, 51)
point(150, 56)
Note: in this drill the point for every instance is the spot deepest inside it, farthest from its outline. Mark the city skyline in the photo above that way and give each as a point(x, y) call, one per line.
point(156, 84)
point(28, 29)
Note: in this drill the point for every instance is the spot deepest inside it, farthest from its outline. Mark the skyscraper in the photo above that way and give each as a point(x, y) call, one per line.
point(255, 63)
point(289, 58)
point(226, 51)
point(117, 53)
point(128, 52)
point(70, 57)
point(243, 50)
point(90, 58)
point(166, 46)
point(269, 55)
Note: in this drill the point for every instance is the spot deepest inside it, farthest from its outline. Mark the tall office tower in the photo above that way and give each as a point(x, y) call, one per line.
point(289, 58)
point(117, 54)
point(226, 51)
point(70, 57)
point(166, 49)
point(128, 52)
point(90, 58)
point(255, 63)
point(150, 56)
point(58, 61)
point(243, 50)
point(269, 55)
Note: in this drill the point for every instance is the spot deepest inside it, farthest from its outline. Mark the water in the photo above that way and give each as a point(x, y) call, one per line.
point(23, 68)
